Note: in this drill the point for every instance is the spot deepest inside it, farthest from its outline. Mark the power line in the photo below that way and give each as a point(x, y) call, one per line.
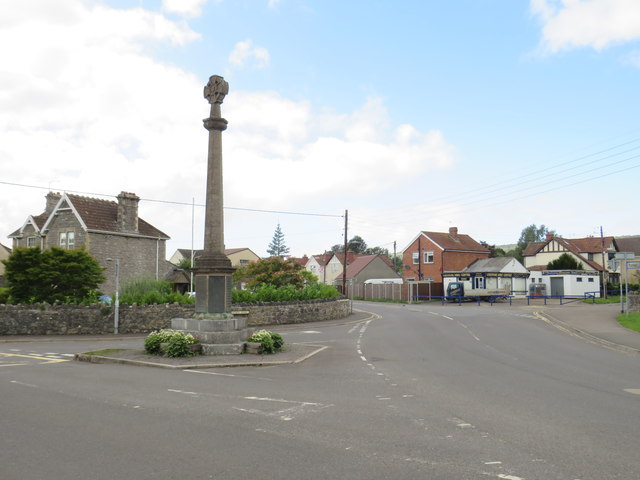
point(171, 202)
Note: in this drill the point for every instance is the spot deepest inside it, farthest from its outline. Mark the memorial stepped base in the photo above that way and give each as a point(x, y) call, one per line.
point(219, 334)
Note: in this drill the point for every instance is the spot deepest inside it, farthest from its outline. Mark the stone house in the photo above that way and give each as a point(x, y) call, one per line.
point(5, 252)
point(108, 231)
point(430, 254)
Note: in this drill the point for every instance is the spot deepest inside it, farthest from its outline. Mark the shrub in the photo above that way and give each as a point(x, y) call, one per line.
point(4, 295)
point(177, 343)
point(53, 275)
point(143, 291)
point(271, 342)
point(286, 293)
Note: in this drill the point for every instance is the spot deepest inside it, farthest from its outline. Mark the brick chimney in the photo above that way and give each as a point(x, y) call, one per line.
point(52, 200)
point(128, 212)
point(453, 232)
point(549, 236)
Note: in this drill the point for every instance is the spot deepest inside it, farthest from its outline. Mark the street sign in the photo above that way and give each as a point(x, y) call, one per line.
point(625, 255)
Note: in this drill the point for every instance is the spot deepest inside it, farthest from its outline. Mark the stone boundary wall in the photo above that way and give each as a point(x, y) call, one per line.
point(44, 319)
point(634, 302)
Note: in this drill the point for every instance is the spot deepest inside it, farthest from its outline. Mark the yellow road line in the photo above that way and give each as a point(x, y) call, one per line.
point(11, 364)
point(48, 360)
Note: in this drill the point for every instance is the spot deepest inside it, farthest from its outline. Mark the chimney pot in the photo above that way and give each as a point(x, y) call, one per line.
point(453, 231)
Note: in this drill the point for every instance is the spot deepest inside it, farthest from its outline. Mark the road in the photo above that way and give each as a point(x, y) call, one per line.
point(422, 391)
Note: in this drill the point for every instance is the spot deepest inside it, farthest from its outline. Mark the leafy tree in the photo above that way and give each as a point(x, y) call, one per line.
point(377, 251)
point(52, 275)
point(493, 250)
point(532, 233)
point(274, 271)
point(357, 245)
point(277, 247)
point(185, 263)
point(565, 262)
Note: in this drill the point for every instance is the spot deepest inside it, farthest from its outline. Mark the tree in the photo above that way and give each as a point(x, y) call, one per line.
point(493, 250)
point(277, 247)
point(52, 275)
point(357, 245)
point(532, 233)
point(274, 271)
point(565, 262)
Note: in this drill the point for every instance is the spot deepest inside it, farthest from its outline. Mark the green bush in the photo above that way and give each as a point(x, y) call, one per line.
point(4, 295)
point(53, 275)
point(143, 291)
point(271, 342)
point(177, 343)
point(286, 293)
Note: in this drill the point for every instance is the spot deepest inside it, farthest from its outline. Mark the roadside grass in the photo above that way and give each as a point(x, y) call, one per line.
point(630, 321)
point(602, 301)
point(106, 352)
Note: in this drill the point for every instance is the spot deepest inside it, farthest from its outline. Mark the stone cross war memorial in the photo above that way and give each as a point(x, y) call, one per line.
point(220, 331)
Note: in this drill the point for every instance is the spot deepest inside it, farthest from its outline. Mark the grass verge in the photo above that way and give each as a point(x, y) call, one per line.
point(630, 321)
point(106, 352)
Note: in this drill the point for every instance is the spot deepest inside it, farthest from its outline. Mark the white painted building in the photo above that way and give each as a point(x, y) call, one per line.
point(566, 283)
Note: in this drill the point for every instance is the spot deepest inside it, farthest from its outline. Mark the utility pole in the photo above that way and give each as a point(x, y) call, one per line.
point(604, 266)
point(346, 245)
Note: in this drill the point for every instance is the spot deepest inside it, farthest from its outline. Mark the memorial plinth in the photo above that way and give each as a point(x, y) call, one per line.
point(220, 332)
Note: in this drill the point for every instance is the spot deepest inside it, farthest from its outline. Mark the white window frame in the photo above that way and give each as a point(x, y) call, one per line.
point(427, 257)
point(31, 241)
point(416, 258)
point(67, 240)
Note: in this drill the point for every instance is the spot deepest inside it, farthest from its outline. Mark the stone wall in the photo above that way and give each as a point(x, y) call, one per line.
point(96, 319)
point(634, 302)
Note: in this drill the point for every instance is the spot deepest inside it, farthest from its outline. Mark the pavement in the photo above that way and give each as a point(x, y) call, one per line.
point(594, 323)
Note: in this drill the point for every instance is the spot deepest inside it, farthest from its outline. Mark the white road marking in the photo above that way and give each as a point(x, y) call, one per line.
point(509, 477)
point(635, 391)
point(181, 391)
point(228, 375)
point(311, 331)
point(24, 384)
point(493, 463)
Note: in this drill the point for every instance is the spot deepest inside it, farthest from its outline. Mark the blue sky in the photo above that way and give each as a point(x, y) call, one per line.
point(413, 115)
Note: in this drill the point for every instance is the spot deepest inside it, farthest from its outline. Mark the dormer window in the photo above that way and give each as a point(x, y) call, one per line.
point(31, 241)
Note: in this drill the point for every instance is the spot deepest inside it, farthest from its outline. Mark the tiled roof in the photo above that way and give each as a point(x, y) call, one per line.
point(629, 244)
point(572, 245)
point(455, 242)
point(102, 215)
point(488, 265)
point(360, 263)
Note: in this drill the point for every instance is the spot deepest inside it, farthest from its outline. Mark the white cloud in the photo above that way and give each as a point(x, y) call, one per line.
point(596, 24)
point(245, 52)
point(188, 8)
point(89, 110)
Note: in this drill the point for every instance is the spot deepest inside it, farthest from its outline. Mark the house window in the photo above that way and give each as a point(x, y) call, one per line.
point(31, 241)
point(579, 279)
point(591, 280)
point(67, 240)
point(244, 262)
point(416, 257)
point(428, 257)
point(590, 257)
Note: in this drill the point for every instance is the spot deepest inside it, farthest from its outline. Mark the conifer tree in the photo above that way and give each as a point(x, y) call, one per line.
point(277, 247)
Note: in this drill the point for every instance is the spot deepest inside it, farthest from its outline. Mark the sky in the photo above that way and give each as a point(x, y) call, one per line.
point(485, 115)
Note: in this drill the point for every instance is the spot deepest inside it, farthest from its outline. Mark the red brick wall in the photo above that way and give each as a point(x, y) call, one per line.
point(448, 260)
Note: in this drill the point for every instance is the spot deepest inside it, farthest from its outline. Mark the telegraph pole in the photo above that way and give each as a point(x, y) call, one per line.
point(346, 245)
point(604, 271)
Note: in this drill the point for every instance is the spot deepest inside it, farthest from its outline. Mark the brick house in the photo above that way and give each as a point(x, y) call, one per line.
point(430, 254)
point(106, 229)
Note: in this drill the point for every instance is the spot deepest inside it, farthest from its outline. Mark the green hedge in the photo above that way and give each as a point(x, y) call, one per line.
point(287, 293)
